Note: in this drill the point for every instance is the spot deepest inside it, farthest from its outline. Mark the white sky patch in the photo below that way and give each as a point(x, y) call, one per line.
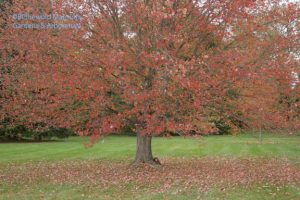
point(296, 80)
point(87, 35)
point(129, 34)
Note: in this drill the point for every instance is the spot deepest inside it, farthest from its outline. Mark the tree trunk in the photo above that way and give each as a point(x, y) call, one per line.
point(144, 151)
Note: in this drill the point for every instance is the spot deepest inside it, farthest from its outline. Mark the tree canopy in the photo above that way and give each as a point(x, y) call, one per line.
point(161, 66)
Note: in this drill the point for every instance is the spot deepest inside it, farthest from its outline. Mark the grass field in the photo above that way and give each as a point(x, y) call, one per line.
point(123, 147)
point(67, 170)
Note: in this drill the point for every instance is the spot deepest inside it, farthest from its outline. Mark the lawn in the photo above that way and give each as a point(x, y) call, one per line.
point(212, 167)
point(123, 148)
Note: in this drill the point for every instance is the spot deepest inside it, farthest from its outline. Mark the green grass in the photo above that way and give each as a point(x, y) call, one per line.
point(123, 147)
point(74, 192)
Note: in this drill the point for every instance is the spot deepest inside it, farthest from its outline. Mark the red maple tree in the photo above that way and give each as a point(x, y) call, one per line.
point(160, 66)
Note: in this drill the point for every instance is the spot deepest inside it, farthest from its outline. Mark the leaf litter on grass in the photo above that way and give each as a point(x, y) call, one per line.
point(184, 174)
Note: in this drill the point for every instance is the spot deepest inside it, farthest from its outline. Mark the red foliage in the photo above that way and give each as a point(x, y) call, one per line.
point(160, 65)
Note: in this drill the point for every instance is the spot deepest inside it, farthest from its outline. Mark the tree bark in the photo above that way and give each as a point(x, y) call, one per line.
point(144, 151)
